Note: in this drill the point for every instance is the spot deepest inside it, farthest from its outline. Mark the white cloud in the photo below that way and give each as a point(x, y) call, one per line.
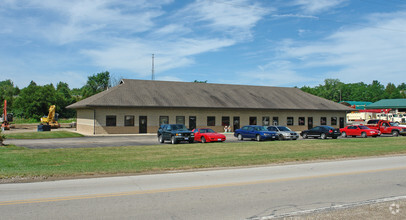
point(78, 20)
point(233, 17)
point(353, 54)
point(294, 16)
point(274, 73)
point(135, 55)
point(177, 42)
point(316, 6)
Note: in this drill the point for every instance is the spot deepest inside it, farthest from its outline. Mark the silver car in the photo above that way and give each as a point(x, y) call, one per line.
point(284, 133)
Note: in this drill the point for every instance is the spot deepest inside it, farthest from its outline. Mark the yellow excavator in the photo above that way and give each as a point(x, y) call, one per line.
point(52, 119)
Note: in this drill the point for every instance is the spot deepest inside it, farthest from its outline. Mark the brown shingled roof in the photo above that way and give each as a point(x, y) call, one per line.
point(148, 93)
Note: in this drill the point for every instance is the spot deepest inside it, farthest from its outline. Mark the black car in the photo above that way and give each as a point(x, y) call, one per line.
point(321, 132)
point(175, 133)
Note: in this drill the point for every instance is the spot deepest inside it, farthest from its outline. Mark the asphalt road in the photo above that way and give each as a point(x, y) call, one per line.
point(243, 193)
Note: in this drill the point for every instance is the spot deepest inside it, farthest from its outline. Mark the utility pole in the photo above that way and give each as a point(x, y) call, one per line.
point(153, 76)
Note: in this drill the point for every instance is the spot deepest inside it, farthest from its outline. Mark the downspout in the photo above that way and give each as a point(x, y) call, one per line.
point(94, 121)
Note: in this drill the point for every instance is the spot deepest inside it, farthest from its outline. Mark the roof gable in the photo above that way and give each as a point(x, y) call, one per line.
point(148, 93)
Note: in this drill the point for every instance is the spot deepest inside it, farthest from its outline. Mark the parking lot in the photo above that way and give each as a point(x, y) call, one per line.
point(108, 141)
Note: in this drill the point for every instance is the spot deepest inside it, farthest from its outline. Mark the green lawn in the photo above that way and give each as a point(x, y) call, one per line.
point(21, 162)
point(43, 135)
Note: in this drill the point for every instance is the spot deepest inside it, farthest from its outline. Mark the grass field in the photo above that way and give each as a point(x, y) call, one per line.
point(43, 135)
point(44, 163)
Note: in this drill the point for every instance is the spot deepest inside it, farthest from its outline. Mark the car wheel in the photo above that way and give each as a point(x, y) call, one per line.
point(160, 139)
point(344, 134)
point(395, 133)
point(364, 135)
point(304, 136)
point(191, 141)
point(323, 136)
point(173, 140)
point(280, 137)
point(258, 137)
point(203, 140)
point(240, 138)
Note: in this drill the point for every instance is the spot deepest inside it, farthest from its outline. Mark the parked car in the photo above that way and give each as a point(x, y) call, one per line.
point(255, 132)
point(322, 132)
point(284, 133)
point(174, 133)
point(205, 135)
point(385, 127)
point(359, 130)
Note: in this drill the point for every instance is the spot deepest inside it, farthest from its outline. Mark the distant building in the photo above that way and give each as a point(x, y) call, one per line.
point(355, 104)
point(141, 106)
point(397, 105)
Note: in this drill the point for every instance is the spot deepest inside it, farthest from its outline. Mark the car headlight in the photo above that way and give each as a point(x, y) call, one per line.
point(265, 134)
point(178, 134)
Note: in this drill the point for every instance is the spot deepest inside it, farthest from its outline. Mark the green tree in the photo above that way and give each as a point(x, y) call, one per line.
point(96, 83)
point(63, 99)
point(34, 101)
point(392, 92)
point(7, 92)
point(402, 90)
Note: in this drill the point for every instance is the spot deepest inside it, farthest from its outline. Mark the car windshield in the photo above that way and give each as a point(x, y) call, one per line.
point(394, 124)
point(363, 127)
point(282, 128)
point(179, 127)
point(259, 128)
point(206, 130)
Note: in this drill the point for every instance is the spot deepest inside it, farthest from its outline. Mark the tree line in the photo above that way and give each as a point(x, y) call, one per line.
point(337, 91)
point(33, 101)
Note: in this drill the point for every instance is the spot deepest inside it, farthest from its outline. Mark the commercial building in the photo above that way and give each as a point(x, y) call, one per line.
point(141, 106)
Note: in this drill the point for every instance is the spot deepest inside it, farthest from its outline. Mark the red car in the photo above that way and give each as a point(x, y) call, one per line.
point(205, 135)
point(359, 130)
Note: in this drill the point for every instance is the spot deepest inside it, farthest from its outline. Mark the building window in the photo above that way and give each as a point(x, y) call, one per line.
point(225, 121)
point(275, 121)
point(111, 120)
point(289, 121)
point(180, 120)
point(253, 120)
point(323, 121)
point(301, 120)
point(163, 120)
point(211, 121)
point(129, 120)
point(333, 120)
point(265, 121)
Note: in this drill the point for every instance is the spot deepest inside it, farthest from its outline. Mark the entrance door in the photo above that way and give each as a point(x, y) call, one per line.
point(236, 123)
point(309, 122)
point(342, 122)
point(143, 124)
point(192, 122)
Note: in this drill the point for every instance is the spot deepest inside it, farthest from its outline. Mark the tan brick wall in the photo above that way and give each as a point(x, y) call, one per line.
point(84, 129)
point(86, 123)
